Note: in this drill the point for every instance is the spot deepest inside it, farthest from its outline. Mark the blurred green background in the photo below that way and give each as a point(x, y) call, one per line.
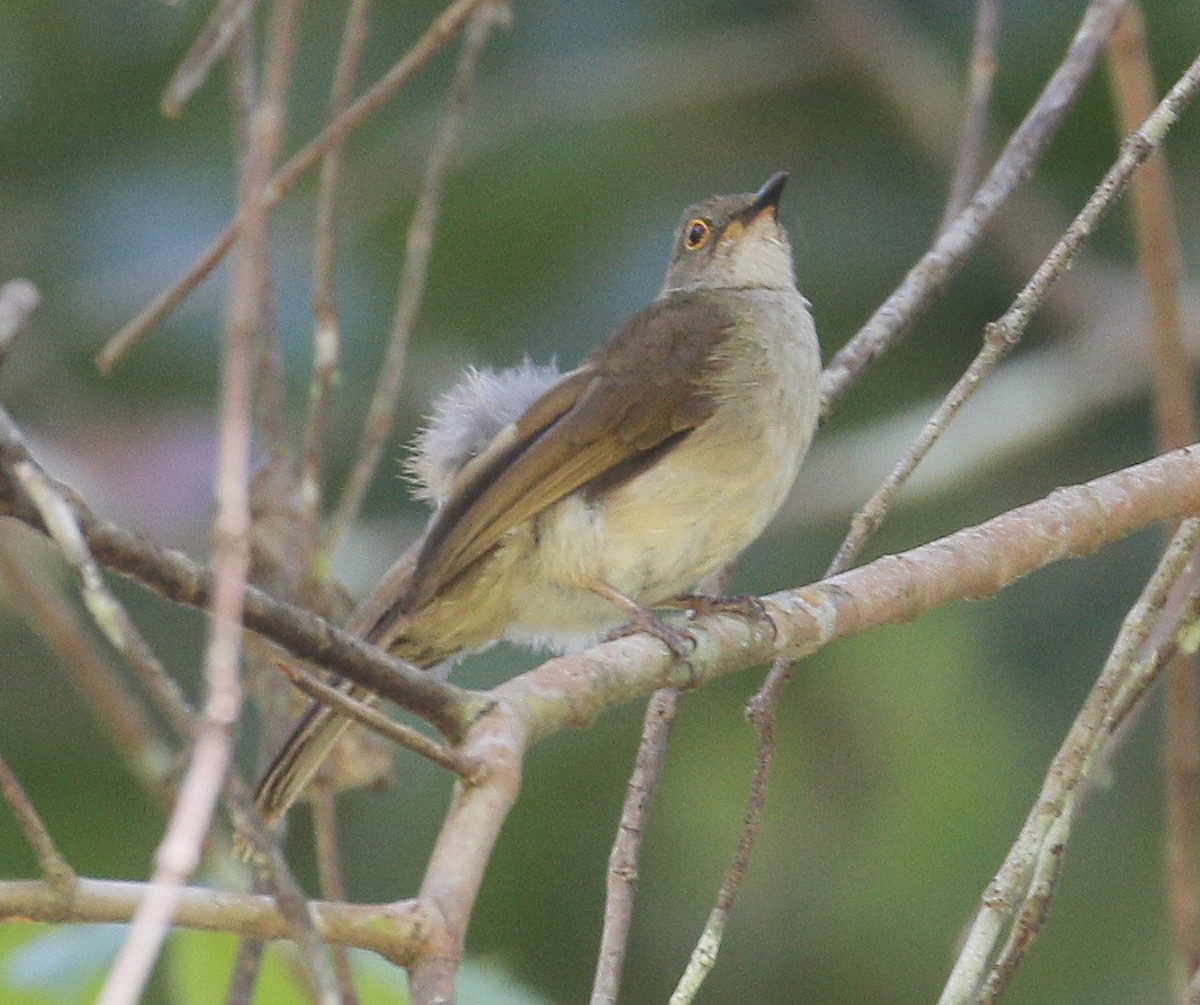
point(907, 758)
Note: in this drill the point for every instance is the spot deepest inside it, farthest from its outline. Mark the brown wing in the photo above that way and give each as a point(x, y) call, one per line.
point(626, 399)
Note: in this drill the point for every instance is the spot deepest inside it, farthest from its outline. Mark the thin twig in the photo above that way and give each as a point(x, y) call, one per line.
point(301, 918)
point(178, 853)
point(329, 871)
point(264, 136)
point(222, 26)
point(1019, 894)
point(60, 522)
point(438, 34)
point(373, 719)
point(1003, 335)
point(55, 868)
point(760, 711)
point(886, 48)
point(413, 275)
point(1160, 261)
point(326, 334)
point(246, 966)
point(932, 273)
point(622, 880)
point(145, 750)
point(979, 96)
point(18, 300)
point(175, 577)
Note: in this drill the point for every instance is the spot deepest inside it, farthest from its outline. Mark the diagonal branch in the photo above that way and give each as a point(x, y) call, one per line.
point(1161, 264)
point(1019, 895)
point(1003, 334)
point(933, 272)
point(418, 249)
point(979, 96)
point(622, 879)
point(58, 874)
point(306, 636)
point(444, 27)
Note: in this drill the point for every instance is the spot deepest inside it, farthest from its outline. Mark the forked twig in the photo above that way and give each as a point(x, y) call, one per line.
point(373, 719)
point(1019, 894)
point(177, 578)
point(1003, 334)
point(179, 851)
point(1161, 263)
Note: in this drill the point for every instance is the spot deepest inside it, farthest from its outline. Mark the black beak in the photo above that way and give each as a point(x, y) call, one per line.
point(766, 197)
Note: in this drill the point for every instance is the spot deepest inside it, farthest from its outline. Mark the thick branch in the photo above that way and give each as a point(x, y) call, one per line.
point(972, 563)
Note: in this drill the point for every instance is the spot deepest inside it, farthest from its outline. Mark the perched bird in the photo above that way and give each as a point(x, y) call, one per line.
point(567, 505)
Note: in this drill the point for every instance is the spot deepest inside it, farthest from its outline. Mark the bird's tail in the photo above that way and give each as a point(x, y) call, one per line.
point(309, 743)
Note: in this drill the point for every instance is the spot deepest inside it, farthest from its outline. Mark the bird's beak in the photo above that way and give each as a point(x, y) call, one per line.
point(766, 198)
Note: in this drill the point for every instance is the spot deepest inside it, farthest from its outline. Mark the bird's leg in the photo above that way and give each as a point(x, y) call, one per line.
point(743, 605)
point(642, 619)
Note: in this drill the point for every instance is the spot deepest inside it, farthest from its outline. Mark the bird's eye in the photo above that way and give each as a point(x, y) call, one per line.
point(697, 232)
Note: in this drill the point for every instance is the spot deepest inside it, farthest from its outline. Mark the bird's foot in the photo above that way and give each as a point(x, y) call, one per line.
point(742, 605)
point(678, 640)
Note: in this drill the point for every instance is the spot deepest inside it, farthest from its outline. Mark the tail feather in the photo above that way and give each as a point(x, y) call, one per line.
point(310, 741)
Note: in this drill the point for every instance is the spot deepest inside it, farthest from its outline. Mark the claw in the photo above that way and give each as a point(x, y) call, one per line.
point(743, 605)
point(678, 640)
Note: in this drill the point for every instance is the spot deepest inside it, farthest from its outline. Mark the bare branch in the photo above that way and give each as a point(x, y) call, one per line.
point(979, 97)
point(145, 750)
point(57, 517)
point(463, 847)
point(622, 882)
point(222, 26)
point(972, 563)
point(175, 577)
point(926, 280)
point(1003, 335)
point(418, 247)
point(444, 27)
point(1021, 890)
point(246, 966)
point(178, 853)
point(59, 875)
point(399, 932)
point(1160, 260)
point(373, 719)
point(329, 868)
point(760, 711)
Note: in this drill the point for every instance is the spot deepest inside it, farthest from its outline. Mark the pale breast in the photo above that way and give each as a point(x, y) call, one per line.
point(699, 505)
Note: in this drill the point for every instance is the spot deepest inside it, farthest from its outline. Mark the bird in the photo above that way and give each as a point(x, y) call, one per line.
point(567, 505)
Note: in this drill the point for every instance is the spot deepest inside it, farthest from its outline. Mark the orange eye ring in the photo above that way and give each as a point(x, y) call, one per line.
point(696, 234)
